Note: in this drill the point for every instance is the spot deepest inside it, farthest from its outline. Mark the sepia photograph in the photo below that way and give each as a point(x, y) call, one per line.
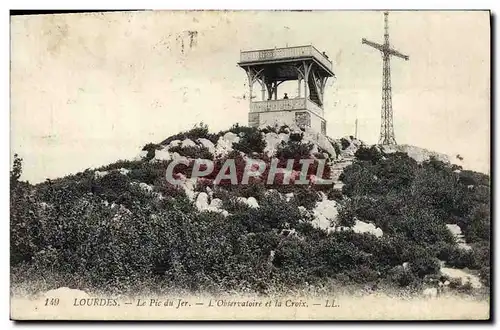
point(250, 165)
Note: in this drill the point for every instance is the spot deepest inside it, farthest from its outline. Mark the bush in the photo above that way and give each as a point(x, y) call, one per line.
point(335, 194)
point(126, 164)
point(198, 131)
point(17, 170)
point(346, 215)
point(151, 149)
point(294, 150)
point(359, 180)
point(344, 143)
point(468, 177)
point(337, 255)
point(425, 265)
point(478, 228)
point(167, 189)
point(337, 149)
point(111, 187)
point(25, 224)
point(256, 190)
point(372, 154)
point(276, 129)
point(296, 137)
point(192, 152)
point(149, 172)
point(108, 233)
point(484, 275)
point(402, 277)
point(456, 257)
point(251, 139)
point(273, 213)
point(306, 197)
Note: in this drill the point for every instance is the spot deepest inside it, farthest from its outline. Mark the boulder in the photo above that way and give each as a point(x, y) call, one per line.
point(225, 143)
point(202, 201)
point(216, 203)
point(99, 174)
point(123, 171)
point(145, 187)
point(162, 154)
point(273, 140)
point(188, 143)
point(252, 202)
point(142, 154)
point(463, 275)
point(325, 213)
point(364, 227)
point(207, 144)
point(174, 143)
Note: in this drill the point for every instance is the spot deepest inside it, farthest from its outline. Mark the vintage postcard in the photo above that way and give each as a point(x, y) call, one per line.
point(250, 165)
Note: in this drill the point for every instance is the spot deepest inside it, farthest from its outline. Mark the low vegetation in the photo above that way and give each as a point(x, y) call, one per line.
point(109, 232)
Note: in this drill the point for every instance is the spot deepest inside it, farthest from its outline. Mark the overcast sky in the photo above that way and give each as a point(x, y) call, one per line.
point(88, 89)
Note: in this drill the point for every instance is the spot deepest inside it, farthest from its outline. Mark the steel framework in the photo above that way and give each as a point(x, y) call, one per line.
point(386, 126)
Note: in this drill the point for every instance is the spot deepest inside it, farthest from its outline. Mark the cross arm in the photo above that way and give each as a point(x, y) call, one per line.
point(372, 44)
point(398, 54)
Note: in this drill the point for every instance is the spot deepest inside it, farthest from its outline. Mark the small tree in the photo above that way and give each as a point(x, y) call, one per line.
point(17, 170)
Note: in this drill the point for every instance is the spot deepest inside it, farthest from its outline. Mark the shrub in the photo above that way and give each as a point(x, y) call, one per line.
point(359, 180)
point(17, 170)
point(192, 152)
point(267, 129)
point(465, 288)
point(151, 149)
point(198, 131)
point(346, 215)
point(294, 150)
point(468, 177)
point(479, 225)
point(25, 221)
point(167, 189)
point(306, 229)
point(67, 226)
point(306, 197)
point(372, 154)
point(421, 227)
point(337, 149)
point(435, 186)
point(335, 194)
point(425, 265)
point(457, 257)
point(111, 186)
point(273, 213)
point(202, 184)
point(149, 172)
point(484, 275)
point(127, 164)
point(344, 143)
point(296, 137)
point(337, 255)
point(251, 139)
point(283, 129)
point(256, 190)
point(402, 277)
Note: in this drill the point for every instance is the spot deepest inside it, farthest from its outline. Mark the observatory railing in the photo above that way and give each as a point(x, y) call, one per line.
point(284, 53)
point(286, 105)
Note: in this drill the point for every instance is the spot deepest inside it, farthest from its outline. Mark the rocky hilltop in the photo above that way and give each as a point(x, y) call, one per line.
point(398, 217)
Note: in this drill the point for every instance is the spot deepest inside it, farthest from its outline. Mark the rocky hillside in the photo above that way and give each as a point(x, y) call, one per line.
point(401, 217)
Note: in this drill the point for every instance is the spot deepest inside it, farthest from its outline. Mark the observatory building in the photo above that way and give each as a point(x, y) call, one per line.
point(270, 68)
